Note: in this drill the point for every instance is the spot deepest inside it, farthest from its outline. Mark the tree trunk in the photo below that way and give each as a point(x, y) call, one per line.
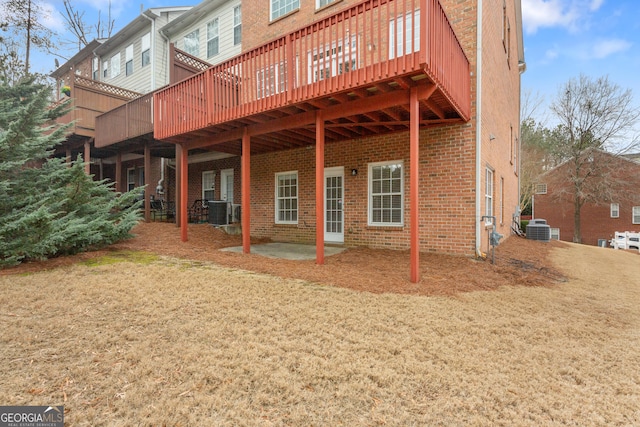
point(577, 231)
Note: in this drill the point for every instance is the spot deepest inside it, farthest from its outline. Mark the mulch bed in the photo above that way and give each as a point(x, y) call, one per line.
point(517, 262)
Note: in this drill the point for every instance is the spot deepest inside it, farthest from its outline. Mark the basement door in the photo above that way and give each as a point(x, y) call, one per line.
point(333, 205)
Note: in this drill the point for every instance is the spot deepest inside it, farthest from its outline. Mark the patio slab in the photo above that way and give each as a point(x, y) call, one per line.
point(292, 251)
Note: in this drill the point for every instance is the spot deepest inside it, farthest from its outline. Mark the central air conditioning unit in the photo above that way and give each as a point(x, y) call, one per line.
point(537, 229)
point(218, 212)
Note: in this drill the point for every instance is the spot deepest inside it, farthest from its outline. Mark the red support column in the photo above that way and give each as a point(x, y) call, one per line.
point(87, 157)
point(147, 182)
point(178, 183)
point(184, 192)
point(319, 188)
point(118, 183)
point(414, 161)
point(246, 192)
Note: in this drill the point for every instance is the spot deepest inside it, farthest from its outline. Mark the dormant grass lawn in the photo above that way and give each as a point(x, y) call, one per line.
point(167, 342)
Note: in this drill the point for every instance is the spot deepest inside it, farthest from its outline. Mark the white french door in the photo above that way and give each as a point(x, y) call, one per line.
point(333, 205)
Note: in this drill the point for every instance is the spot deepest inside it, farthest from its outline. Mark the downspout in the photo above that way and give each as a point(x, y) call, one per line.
point(160, 186)
point(153, 51)
point(478, 128)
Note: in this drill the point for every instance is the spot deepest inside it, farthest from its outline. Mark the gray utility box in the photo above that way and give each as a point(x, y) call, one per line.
point(537, 229)
point(218, 212)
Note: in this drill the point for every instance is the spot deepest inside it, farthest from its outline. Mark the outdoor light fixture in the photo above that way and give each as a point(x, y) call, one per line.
point(491, 137)
point(354, 172)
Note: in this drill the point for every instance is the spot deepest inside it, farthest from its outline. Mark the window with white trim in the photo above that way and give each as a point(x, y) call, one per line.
point(131, 179)
point(105, 69)
point(323, 3)
point(146, 49)
point(386, 193)
point(213, 38)
point(615, 210)
point(404, 34)
point(191, 43)
point(208, 185)
point(115, 65)
point(541, 189)
point(128, 55)
point(335, 59)
point(635, 214)
point(271, 80)
point(488, 195)
point(95, 72)
point(287, 198)
point(237, 25)
point(282, 7)
point(555, 233)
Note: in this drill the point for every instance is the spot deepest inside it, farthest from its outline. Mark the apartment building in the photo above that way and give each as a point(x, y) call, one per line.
point(389, 124)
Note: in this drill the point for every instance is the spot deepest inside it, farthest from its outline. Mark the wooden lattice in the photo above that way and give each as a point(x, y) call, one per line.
point(107, 88)
point(191, 61)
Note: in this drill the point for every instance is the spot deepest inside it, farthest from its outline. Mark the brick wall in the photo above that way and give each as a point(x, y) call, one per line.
point(446, 184)
point(556, 206)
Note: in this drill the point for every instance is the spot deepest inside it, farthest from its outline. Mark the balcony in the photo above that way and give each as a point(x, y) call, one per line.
point(356, 65)
point(134, 119)
point(91, 98)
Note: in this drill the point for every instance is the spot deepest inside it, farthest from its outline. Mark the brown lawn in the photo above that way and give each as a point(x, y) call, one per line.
point(202, 338)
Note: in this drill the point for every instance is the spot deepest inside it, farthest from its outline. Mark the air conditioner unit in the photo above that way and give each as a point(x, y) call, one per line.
point(537, 229)
point(234, 212)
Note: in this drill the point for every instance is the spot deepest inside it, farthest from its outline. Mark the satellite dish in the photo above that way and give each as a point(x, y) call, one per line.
point(56, 62)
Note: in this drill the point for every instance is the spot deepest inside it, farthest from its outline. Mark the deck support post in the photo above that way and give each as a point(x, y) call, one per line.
point(87, 156)
point(414, 161)
point(147, 182)
point(178, 183)
point(118, 182)
point(319, 188)
point(184, 192)
point(246, 192)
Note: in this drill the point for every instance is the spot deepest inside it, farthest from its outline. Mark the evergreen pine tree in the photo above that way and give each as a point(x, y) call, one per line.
point(49, 207)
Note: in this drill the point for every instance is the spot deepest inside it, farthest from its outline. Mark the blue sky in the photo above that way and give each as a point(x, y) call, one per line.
point(566, 38)
point(563, 39)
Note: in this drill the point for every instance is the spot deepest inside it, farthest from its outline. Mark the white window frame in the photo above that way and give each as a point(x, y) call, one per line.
point(373, 194)
point(282, 196)
point(269, 82)
point(615, 210)
point(213, 37)
point(540, 188)
point(128, 56)
point(191, 42)
point(555, 233)
point(208, 177)
point(488, 194)
point(95, 68)
point(115, 65)
point(105, 69)
point(635, 215)
point(237, 25)
point(323, 3)
point(329, 62)
point(145, 54)
point(283, 8)
point(131, 179)
point(399, 43)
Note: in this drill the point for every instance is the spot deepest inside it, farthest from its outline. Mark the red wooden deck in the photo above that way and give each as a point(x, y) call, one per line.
point(357, 65)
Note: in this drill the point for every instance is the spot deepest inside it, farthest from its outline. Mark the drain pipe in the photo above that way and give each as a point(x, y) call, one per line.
point(478, 128)
point(152, 52)
point(160, 187)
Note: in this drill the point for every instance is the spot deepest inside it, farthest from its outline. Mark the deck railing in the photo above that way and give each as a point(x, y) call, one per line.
point(135, 118)
point(91, 98)
point(371, 41)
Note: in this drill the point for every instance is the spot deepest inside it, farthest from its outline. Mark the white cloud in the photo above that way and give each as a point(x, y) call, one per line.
point(604, 48)
point(570, 14)
point(52, 18)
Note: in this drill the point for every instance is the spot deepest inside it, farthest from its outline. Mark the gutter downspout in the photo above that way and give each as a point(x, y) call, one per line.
point(153, 51)
point(478, 128)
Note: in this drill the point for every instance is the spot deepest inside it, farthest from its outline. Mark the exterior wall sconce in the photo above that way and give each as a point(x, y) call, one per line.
point(354, 172)
point(491, 137)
